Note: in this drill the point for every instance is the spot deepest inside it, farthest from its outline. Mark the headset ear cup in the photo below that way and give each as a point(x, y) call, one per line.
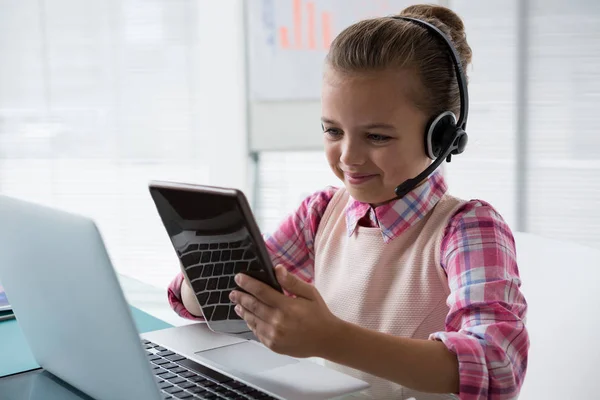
point(463, 139)
point(429, 139)
point(437, 133)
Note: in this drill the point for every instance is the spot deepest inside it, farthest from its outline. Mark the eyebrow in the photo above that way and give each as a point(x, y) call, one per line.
point(375, 125)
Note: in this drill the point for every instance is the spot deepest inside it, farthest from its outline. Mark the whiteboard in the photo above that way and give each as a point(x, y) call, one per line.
point(286, 44)
point(288, 41)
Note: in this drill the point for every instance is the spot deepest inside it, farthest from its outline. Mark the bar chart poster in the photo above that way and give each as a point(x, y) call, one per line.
point(288, 40)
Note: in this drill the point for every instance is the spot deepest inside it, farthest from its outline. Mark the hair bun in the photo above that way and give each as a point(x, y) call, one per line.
point(446, 20)
point(445, 15)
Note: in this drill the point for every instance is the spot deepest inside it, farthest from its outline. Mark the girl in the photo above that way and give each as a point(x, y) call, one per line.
point(417, 294)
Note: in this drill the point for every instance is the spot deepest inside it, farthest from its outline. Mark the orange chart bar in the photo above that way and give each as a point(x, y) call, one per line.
point(312, 35)
point(297, 23)
point(326, 21)
point(284, 40)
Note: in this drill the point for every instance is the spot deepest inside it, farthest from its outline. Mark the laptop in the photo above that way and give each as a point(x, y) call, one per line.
point(51, 259)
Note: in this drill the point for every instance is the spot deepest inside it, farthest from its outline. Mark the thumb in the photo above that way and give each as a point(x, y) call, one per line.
point(293, 284)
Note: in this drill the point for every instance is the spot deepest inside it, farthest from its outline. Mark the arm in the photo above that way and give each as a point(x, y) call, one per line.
point(483, 352)
point(485, 326)
point(422, 365)
point(182, 300)
point(291, 245)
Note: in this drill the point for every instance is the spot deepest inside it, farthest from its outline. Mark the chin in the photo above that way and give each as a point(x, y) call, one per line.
point(364, 195)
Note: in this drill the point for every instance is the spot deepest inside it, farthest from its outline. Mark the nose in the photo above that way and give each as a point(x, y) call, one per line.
point(352, 153)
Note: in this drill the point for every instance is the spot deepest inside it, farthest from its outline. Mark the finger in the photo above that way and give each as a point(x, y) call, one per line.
point(246, 316)
point(293, 284)
point(253, 305)
point(261, 291)
point(256, 324)
point(259, 327)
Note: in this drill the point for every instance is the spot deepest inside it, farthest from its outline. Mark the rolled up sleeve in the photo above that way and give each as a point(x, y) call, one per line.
point(485, 325)
point(174, 297)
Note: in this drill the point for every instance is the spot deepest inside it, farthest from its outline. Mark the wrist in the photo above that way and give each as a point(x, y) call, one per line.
point(334, 338)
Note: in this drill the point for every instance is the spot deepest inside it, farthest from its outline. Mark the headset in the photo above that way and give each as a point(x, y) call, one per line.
point(444, 136)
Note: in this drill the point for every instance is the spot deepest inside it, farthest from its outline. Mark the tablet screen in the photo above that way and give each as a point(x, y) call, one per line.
point(213, 240)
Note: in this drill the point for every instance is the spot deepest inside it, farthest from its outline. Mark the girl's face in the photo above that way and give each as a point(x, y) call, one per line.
point(374, 134)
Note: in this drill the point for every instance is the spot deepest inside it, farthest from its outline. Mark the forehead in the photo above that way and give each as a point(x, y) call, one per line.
point(370, 95)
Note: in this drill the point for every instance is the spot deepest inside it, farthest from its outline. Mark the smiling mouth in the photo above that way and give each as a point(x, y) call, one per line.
point(357, 179)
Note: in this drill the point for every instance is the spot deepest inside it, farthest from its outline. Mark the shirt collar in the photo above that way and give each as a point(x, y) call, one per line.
point(395, 217)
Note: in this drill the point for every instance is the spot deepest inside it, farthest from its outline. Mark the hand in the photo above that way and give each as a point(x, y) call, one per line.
point(300, 326)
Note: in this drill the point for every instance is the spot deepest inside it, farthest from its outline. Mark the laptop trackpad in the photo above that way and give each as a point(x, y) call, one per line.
point(247, 357)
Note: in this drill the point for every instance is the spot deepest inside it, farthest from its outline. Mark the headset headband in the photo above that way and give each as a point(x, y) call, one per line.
point(460, 76)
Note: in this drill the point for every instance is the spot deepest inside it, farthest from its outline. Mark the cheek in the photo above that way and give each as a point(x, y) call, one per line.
point(332, 153)
point(389, 158)
point(397, 162)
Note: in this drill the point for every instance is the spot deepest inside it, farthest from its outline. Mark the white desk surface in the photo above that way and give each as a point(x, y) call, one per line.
point(561, 283)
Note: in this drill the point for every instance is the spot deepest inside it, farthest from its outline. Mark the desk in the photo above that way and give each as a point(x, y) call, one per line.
point(150, 311)
point(560, 283)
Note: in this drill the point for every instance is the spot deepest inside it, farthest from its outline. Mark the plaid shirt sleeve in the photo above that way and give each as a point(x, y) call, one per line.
point(174, 296)
point(290, 245)
point(485, 325)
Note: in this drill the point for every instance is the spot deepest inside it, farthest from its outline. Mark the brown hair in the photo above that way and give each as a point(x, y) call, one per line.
point(383, 43)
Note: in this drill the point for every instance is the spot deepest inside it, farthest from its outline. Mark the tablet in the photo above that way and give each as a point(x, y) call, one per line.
point(215, 236)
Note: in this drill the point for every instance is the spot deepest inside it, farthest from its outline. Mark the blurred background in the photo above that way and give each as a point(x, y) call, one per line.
point(97, 97)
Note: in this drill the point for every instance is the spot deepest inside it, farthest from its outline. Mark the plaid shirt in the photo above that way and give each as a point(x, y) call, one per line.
point(485, 325)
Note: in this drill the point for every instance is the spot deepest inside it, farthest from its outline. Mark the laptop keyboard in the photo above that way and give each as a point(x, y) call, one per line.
point(211, 268)
point(182, 378)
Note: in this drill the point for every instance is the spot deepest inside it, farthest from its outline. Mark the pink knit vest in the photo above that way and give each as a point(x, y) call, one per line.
point(397, 287)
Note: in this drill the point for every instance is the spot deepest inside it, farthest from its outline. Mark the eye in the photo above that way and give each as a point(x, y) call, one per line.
point(378, 138)
point(333, 133)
